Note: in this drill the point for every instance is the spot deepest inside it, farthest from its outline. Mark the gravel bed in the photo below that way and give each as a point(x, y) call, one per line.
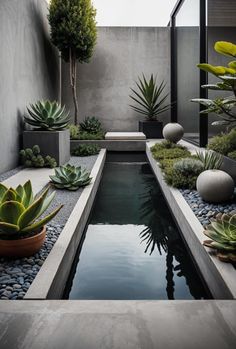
point(16, 275)
point(205, 211)
point(10, 173)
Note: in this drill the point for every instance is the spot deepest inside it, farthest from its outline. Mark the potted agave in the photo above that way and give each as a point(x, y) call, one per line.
point(49, 121)
point(150, 103)
point(22, 231)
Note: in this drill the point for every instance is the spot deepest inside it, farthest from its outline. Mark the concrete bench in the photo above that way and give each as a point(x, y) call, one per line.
point(124, 136)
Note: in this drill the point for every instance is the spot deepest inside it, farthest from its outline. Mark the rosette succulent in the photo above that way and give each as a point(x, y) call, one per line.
point(47, 116)
point(20, 210)
point(222, 232)
point(91, 125)
point(70, 177)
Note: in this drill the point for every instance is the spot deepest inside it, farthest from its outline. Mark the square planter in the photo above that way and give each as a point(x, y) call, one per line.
point(53, 143)
point(151, 129)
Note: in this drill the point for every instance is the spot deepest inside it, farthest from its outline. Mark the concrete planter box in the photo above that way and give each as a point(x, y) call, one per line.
point(114, 145)
point(53, 143)
point(151, 129)
point(229, 166)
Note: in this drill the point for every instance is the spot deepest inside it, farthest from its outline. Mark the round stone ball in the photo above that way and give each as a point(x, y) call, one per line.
point(173, 132)
point(215, 186)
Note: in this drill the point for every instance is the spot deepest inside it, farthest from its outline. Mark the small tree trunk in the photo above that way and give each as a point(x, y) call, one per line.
point(73, 79)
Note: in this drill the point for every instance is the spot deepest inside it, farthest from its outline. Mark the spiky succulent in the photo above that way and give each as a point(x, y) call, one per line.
point(210, 159)
point(20, 210)
point(33, 158)
point(91, 125)
point(47, 116)
point(70, 177)
point(222, 232)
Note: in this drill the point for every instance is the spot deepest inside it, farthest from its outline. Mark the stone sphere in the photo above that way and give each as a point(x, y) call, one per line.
point(215, 186)
point(173, 132)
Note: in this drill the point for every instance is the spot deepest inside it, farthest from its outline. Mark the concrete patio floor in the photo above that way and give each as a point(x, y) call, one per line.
point(117, 324)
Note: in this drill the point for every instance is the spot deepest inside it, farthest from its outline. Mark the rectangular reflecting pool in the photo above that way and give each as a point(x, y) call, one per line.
point(132, 248)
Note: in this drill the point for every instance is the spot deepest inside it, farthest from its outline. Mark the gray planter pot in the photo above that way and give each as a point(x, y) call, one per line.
point(229, 166)
point(53, 143)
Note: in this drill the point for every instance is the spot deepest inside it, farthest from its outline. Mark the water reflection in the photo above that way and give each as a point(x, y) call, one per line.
point(132, 248)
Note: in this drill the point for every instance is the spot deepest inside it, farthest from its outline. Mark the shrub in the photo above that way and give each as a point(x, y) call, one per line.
point(232, 155)
point(32, 158)
point(91, 136)
point(74, 131)
point(170, 153)
point(224, 143)
point(85, 150)
point(188, 166)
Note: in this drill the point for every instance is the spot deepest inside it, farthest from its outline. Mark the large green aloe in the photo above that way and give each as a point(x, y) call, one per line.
point(70, 177)
point(48, 116)
point(222, 231)
point(20, 210)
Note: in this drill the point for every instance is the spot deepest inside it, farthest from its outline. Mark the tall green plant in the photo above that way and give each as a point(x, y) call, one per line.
point(149, 99)
point(223, 107)
point(74, 33)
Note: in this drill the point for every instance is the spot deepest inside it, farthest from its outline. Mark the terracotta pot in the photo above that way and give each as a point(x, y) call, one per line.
point(22, 247)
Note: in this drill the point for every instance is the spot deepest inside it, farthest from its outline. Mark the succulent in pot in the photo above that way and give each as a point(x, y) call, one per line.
point(47, 116)
point(22, 229)
point(222, 232)
point(70, 177)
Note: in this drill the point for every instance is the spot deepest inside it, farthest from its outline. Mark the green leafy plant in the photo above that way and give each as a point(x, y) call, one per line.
point(210, 160)
point(85, 150)
point(91, 125)
point(149, 99)
point(74, 33)
point(32, 158)
point(74, 131)
point(224, 143)
point(223, 107)
point(70, 177)
point(188, 166)
point(232, 155)
point(222, 232)
point(20, 211)
point(91, 136)
point(167, 150)
point(47, 116)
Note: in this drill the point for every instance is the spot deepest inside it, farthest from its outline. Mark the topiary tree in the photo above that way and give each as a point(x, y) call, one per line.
point(74, 33)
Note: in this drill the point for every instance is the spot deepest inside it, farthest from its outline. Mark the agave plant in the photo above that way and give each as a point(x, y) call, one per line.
point(149, 99)
point(20, 210)
point(70, 177)
point(91, 125)
point(222, 232)
point(210, 159)
point(47, 116)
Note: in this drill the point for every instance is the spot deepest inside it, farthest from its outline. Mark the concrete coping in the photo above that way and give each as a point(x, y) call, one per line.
point(219, 277)
point(51, 278)
point(124, 135)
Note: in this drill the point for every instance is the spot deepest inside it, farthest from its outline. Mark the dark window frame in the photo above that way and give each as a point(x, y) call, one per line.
point(203, 119)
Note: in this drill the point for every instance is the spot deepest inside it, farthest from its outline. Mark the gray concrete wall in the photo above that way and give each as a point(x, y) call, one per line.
point(29, 69)
point(121, 55)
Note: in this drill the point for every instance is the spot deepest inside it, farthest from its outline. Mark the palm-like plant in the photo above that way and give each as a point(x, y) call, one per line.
point(70, 177)
point(222, 232)
point(20, 210)
point(149, 98)
point(47, 116)
point(210, 160)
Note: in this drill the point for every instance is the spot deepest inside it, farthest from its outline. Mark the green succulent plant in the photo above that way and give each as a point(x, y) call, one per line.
point(188, 166)
point(70, 177)
point(210, 160)
point(222, 232)
point(47, 116)
point(33, 158)
point(74, 131)
point(85, 150)
point(91, 125)
point(149, 98)
point(20, 210)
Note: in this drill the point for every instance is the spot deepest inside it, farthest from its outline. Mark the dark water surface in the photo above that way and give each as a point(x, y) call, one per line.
point(132, 248)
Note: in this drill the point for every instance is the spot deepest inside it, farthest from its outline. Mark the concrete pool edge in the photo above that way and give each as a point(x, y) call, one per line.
point(219, 277)
point(50, 281)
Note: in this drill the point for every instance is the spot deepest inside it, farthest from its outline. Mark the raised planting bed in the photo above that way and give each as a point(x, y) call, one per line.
point(17, 275)
point(219, 276)
point(113, 145)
